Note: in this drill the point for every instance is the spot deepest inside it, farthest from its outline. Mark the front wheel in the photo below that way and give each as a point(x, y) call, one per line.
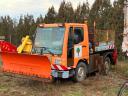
point(80, 72)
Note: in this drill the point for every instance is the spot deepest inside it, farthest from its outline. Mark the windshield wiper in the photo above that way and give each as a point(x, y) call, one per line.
point(45, 48)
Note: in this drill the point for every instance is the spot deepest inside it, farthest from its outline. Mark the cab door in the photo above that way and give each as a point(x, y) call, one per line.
point(70, 48)
point(78, 45)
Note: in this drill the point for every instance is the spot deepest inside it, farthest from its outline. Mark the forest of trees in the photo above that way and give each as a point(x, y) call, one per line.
point(105, 14)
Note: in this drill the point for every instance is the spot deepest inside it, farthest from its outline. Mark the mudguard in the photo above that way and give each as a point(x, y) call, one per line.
point(26, 64)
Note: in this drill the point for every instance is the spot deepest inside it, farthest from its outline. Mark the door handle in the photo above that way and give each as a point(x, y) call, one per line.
point(84, 46)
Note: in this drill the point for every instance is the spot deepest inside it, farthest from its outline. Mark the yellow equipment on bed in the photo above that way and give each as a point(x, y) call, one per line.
point(26, 45)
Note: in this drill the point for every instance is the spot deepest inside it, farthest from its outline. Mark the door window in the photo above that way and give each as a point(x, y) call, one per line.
point(78, 35)
point(70, 42)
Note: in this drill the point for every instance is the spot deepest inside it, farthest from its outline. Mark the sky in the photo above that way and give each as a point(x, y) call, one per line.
point(15, 8)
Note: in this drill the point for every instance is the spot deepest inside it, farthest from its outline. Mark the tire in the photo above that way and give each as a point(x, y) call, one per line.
point(123, 90)
point(107, 66)
point(80, 72)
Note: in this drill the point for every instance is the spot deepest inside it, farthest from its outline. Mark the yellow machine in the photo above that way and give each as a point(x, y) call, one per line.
point(26, 45)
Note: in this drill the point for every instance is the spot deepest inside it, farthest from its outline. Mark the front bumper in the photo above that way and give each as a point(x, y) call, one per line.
point(60, 74)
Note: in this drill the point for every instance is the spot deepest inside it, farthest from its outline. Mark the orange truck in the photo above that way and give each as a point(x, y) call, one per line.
point(66, 50)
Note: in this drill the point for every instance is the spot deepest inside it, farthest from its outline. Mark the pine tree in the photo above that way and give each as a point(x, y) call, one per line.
point(6, 27)
point(101, 13)
point(82, 12)
point(66, 13)
point(40, 19)
point(20, 30)
point(50, 17)
point(94, 12)
point(26, 26)
point(77, 17)
point(118, 21)
point(61, 14)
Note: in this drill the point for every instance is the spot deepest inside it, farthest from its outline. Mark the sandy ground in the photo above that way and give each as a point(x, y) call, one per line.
point(93, 86)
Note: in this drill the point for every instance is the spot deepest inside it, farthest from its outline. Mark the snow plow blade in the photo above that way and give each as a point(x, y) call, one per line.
point(25, 64)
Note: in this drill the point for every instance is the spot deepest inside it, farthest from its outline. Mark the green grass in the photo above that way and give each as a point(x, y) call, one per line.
point(122, 68)
point(123, 58)
point(3, 88)
point(93, 86)
point(74, 91)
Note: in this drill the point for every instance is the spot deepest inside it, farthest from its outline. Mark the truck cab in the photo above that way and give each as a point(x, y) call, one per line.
point(68, 48)
point(67, 42)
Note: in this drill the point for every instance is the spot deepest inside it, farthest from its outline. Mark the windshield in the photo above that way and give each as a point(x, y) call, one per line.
point(50, 39)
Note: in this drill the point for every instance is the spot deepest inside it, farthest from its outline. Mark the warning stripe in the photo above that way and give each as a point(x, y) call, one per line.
point(60, 67)
point(111, 46)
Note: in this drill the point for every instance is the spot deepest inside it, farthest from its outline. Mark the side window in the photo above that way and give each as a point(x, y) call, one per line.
point(70, 38)
point(70, 42)
point(78, 35)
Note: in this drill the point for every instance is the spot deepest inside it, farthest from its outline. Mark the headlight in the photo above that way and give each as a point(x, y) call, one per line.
point(57, 61)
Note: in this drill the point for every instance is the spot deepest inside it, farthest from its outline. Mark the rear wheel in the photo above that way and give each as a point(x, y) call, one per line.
point(107, 65)
point(80, 72)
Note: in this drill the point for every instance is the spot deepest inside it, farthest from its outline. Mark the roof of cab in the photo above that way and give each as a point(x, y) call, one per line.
point(43, 25)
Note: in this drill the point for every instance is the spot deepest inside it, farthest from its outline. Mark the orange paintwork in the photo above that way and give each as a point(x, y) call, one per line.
point(41, 65)
point(50, 25)
point(85, 51)
point(33, 65)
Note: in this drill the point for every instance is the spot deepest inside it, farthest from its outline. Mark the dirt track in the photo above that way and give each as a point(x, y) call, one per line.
point(93, 86)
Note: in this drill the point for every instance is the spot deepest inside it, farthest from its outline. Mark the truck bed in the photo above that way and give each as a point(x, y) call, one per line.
point(105, 46)
point(101, 40)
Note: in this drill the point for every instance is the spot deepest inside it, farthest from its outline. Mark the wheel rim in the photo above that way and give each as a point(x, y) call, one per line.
point(81, 73)
point(107, 67)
